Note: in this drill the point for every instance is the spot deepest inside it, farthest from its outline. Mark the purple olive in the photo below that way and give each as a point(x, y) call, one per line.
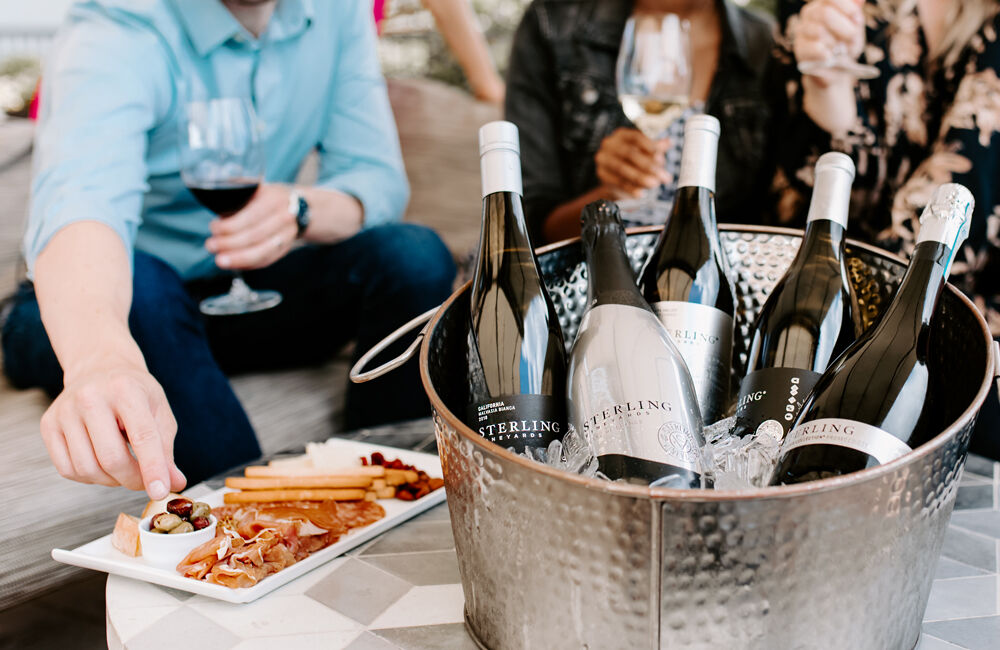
point(180, 507)
point(200, 522)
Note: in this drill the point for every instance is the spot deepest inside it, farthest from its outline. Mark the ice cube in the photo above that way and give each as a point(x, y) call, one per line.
point(736, 463)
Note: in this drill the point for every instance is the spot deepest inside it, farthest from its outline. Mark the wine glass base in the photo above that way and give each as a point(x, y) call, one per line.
point(831, 68)
point(230, 304)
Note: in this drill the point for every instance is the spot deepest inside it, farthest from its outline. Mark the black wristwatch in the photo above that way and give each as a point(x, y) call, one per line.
point(298, 206)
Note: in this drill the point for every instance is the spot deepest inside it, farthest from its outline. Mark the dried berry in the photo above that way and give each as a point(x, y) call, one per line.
point(180, 507)
point(200, 522)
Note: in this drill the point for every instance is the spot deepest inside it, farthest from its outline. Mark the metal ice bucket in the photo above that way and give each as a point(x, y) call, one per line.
point(551, 560)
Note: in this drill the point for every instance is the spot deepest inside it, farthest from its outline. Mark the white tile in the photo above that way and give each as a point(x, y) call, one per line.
point(124, 593)
point(431, 605)
point(275, 616)
point(128, 623)
point(321, 641)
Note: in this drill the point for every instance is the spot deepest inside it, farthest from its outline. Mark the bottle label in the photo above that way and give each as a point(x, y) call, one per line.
point(879, 444)
point(771, 398)
point(646, 429)
point(704, 337)
point(519, 421)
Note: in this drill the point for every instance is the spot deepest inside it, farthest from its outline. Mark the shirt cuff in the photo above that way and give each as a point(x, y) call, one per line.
point(382, 199)
point(38, 236)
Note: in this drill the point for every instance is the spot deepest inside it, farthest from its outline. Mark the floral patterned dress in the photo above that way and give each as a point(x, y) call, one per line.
point(920, 125)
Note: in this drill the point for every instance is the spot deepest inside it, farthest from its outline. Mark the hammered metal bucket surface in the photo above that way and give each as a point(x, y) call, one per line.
point(552, 560)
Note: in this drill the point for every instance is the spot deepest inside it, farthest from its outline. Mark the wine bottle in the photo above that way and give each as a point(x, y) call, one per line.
point(517, 352)
point(685, 278)
point(630, 393)
point(873, 404)
point(808, 318)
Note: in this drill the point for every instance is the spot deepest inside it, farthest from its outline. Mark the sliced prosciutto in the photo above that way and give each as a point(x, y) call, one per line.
point(253, 541)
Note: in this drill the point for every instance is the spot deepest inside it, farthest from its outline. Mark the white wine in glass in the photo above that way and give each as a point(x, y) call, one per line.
point(653, 75)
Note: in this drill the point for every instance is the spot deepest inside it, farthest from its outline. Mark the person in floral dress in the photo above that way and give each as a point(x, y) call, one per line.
point(932, 116)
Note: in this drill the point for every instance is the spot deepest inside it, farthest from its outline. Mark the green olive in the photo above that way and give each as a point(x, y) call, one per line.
point(165, 522)
point(185, 527)
point(200, 509)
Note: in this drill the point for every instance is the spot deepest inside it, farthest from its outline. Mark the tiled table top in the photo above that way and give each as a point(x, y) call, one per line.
point(401, 590)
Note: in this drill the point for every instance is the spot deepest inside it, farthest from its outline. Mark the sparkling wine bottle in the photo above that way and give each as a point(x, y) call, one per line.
point(872, 405)
point(630, 393)
point(808, 319)
point(517, 354)
point(685, 278)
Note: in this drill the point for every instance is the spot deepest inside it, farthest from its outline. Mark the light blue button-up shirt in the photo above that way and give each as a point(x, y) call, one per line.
point(114, 90)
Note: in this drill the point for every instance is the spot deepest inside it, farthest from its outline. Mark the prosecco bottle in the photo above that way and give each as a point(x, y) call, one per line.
point(872, 405)
point(685, 279)
point(630, 393)
point(516, 350)
point(808, 318)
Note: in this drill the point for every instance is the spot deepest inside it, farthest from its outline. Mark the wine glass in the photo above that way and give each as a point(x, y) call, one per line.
point(653, 75)
point(222, 163)
point(840, 62)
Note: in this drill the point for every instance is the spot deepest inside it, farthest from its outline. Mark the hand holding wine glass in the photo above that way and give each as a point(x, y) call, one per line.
point(259, 235)
point(629, 163)
point(222, 164)
point(829, 38)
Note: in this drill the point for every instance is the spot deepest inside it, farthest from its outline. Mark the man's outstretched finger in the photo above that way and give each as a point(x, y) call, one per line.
point(111, 448)
point(55, 444)
point(167, 426)
point(144, 436)
point(82, 455)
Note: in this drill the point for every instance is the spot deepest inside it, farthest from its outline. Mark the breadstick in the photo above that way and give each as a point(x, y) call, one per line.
point(385, 493)
point(286, 482)
point(261, 471)
point(267, 496)
point(400, 476)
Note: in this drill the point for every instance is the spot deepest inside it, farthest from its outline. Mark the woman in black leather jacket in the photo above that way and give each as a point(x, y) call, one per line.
point(561, 95)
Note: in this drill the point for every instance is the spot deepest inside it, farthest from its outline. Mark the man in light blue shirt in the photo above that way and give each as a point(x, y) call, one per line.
point(120, 252)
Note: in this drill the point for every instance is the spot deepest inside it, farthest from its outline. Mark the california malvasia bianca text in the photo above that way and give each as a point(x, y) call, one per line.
point(808, 319)
point(686, 278)
point(872, 405)
point(517, 356)
point(630, 393)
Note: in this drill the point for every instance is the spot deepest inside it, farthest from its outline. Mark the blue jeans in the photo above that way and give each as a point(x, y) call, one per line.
point(359, 289)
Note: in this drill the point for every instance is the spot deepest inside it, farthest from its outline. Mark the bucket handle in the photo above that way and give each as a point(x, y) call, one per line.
point(996, 362)
point(359, 377)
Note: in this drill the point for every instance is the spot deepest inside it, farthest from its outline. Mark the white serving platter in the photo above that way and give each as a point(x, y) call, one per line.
point(101, 556)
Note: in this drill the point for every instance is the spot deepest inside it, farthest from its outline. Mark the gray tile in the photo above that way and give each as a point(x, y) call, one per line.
point(414, 537)
point(972, 633)
point(962, 598)
point(430, 637)
point(420, 569)
point(974, 496)
point(369, 641)
point(437, 513)
point(177, 593)
point(928, 642)
point(970, 548)
point(979, 465)
point(948, 568)
point(358, 590)
point(974, 479)
point(986, 522)
point(163, 635)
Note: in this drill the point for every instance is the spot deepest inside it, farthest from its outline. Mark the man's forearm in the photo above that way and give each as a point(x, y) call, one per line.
point(334, 215)
point(84, 288)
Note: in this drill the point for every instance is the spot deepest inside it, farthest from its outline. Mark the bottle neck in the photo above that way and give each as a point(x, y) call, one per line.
point(612, 280)
point(921, 287)
point(504, 228)
point(823, 239)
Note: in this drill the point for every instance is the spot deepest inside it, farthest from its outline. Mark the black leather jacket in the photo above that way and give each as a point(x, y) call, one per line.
point(561, 95)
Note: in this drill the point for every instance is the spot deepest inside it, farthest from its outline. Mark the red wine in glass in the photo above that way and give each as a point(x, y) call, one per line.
point(227, 198)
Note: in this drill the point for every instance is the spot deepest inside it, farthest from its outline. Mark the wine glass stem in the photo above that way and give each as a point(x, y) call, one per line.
point(239, 288)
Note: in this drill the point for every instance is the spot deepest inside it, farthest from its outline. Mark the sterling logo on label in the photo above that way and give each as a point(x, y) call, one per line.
point(519, 426)
point(693, 336)
point(749, 398)
point(638, 407)
point(826, 426)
